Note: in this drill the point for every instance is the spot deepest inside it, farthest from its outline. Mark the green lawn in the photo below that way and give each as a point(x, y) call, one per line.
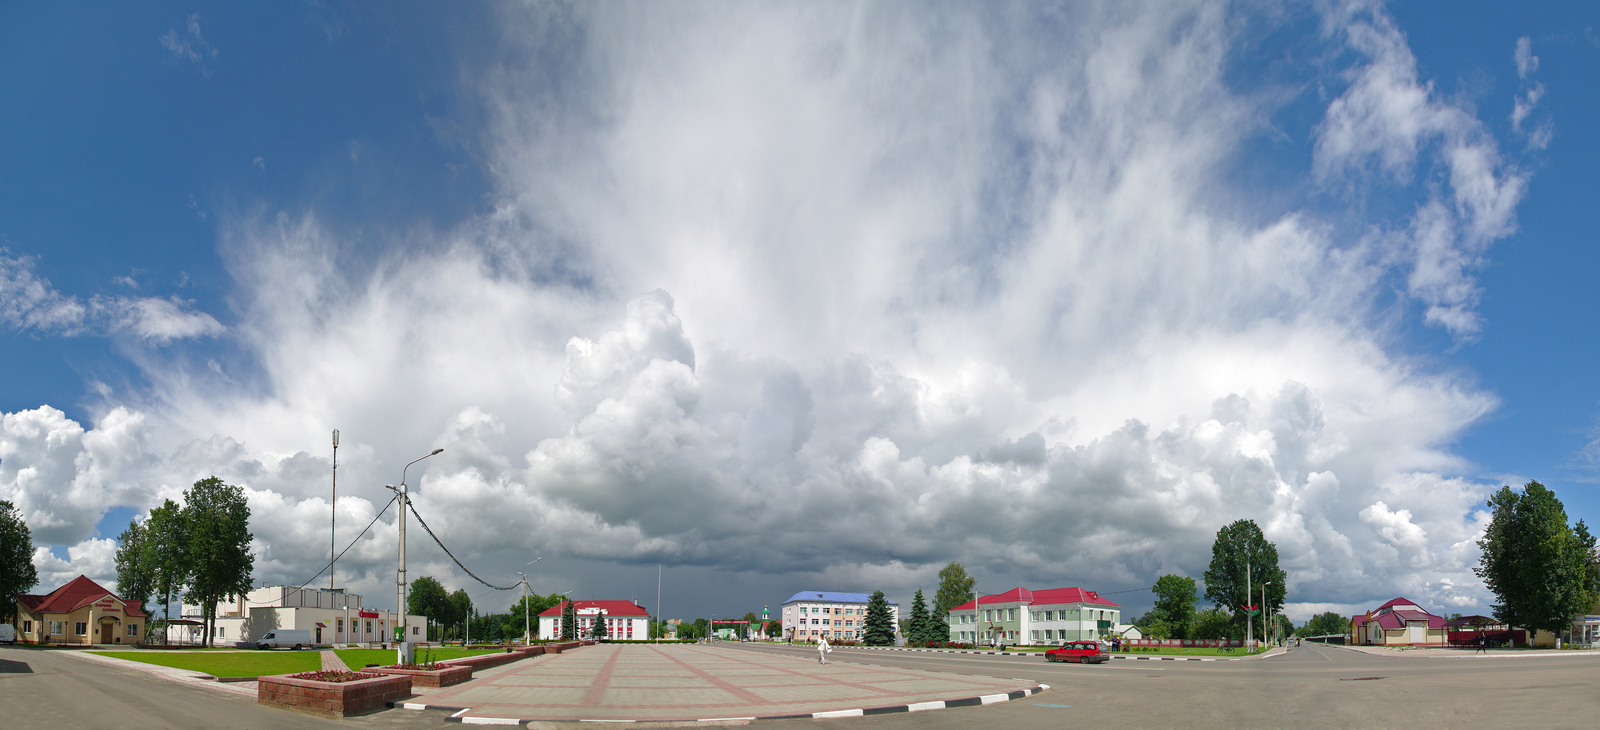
point(253, 664)
point(358, 658)
point(1182, 651)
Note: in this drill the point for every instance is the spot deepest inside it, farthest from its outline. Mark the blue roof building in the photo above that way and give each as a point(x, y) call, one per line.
point(811, 615)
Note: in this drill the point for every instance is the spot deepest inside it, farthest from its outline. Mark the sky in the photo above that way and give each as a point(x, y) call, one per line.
point(772, 297)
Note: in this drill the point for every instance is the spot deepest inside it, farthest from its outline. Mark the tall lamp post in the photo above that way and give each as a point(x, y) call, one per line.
point(1266, 612)
point(403, 646)
point(525, 593)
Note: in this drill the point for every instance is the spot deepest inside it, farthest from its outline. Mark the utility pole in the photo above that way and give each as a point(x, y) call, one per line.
point(1249, 638)
point(403, 646)
point(333, 519)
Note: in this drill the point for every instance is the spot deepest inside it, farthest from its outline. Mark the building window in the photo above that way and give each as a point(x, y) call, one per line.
point(414, 630)
point(369, 626)
point(27, 627)
point(1013, 615)
point(338, 624)
point(133, 629)
point(55, 628)
point(1049, 634)
point(222, 632)
point(82, 628)
point(1035, 635)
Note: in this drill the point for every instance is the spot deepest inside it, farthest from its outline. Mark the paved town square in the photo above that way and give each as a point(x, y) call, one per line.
point(700, 681)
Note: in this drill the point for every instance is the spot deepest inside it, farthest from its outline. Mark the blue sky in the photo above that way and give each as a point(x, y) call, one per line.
point(795, 299)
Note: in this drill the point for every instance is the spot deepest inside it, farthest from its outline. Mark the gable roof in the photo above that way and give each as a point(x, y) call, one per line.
point(611, 608)
point(76, 594)
point(832, 597)
point(1049, 596)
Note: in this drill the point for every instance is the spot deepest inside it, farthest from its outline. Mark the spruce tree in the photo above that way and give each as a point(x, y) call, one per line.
point(599, 631)
point(917, 627)
point(880, 626)
point(569, 621)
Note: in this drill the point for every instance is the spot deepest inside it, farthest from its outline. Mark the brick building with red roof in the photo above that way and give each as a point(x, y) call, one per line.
point(624, 619)
point(1400, 622)
point(1022, 616)
point(80, 612)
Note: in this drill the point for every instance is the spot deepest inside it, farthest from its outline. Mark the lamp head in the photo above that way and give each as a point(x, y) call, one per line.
point(436, 452)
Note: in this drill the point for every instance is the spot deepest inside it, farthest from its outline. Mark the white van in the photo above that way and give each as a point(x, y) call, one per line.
point(279, 638)
point(8, 634)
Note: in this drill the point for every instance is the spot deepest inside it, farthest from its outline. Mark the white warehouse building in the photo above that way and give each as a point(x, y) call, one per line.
point(331, 617)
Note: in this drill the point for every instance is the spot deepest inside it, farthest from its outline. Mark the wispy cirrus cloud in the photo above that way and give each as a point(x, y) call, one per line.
point(189, 45)
point(29, 302)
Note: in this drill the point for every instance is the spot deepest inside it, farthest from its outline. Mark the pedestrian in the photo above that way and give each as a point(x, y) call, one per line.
point(1481, 645)
point(822, 650)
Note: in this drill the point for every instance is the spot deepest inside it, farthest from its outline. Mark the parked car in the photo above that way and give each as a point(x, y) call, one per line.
point(1082, 652)
point(292, 638)
point(8, 634)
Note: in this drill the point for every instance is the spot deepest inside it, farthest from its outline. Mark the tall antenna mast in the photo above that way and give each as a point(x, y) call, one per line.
point(333, 518)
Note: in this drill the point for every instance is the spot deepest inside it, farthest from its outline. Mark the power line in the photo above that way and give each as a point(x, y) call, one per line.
point(351, 545)
point(452, 555)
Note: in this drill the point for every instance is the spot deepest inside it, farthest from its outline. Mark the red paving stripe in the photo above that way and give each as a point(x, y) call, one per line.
point(729, 687)
point(602, 680)
point(888, 673)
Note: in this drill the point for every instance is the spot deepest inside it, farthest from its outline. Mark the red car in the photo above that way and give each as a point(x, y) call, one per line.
point(1082, 652)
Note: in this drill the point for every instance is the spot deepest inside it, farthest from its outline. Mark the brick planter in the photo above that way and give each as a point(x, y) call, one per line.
point(449, 675)
point(332, 699)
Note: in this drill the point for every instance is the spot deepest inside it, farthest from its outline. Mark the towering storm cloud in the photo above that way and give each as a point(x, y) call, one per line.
point(811, 295)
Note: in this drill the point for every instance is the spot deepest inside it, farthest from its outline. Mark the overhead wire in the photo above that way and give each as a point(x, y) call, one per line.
point(446, 550)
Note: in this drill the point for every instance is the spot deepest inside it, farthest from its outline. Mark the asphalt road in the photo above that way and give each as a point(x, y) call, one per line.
point(45, 689)
point(1310, 687)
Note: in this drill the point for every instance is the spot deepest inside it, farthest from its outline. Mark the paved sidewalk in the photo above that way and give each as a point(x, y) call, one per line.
point(696, 682)
point(1274, 651)
point(331, 661)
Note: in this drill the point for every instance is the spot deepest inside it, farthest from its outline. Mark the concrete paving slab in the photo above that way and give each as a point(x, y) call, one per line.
point(687, 682)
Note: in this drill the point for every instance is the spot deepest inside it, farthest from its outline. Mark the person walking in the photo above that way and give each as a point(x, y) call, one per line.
point(822, 650)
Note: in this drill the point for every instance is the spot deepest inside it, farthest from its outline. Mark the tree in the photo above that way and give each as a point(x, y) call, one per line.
point(460, 608)
point(774, 629)
point(219, 544)
point(569, 621)
point(1174, 604)
point(1541, 570)
point(1239, 545)
point(1323, 624)
point(17, 574)
point(429, 599)
point(880, 625)
point(1154, 626)
point(1212, 623)
point(917, 627)
point(166, 539)
point(135, 578)
point(955, 588)
point(599, 631)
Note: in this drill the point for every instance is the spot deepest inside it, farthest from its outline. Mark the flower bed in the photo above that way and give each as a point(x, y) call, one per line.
point(331, 693)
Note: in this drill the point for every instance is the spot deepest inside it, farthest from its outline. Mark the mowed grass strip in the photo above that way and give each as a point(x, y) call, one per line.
point(358, 658)
point(228, 665)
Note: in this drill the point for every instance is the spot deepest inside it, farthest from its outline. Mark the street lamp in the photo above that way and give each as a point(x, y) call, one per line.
point(403, 646)
point(1266, 613)
point(525, 589)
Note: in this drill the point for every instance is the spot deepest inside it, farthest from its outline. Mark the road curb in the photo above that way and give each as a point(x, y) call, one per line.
point(457, 714)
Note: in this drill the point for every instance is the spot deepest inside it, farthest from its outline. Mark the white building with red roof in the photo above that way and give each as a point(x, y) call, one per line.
point(624, 619)
point(1022, 616)
point(80, 612)
point(1400, 622)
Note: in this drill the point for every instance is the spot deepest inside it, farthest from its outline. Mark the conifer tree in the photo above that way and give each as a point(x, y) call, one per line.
point(569, 621)
point(880, 625)
point(599, 630)
point(917, 627)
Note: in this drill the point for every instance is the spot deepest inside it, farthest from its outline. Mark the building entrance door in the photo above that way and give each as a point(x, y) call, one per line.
point(107, 632)
point(319, 634)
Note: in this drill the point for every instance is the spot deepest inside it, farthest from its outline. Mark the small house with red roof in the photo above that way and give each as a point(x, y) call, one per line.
point(80, 612)
point(1022, 616)
point(624, 619)
point(1400, 622)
